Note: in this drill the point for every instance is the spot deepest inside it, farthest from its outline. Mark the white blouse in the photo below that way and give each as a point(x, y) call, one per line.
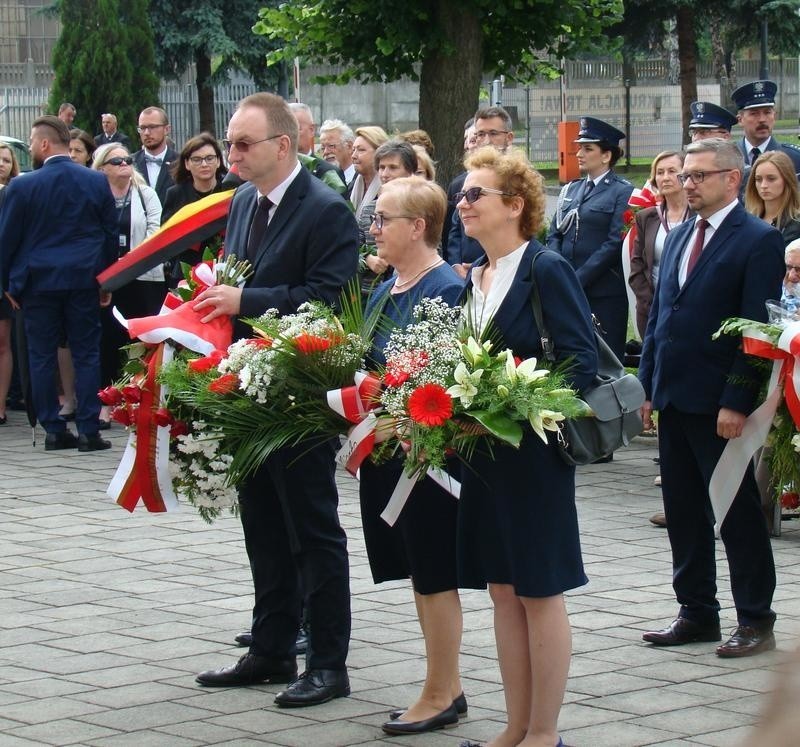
point(481, 307)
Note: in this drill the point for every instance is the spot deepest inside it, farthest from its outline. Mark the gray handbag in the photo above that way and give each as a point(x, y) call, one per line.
point(614, 399)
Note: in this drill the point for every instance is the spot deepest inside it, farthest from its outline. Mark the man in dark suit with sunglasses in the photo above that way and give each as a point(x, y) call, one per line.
point(725, 263)
point(302, 240)
point(58, 230)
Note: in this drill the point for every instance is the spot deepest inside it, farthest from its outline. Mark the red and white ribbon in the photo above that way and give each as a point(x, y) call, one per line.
point(784, 381)
point(143, 471)
point(357, 404)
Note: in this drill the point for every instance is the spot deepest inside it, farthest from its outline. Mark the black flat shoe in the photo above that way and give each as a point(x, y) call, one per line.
point(460, 703)
point(313, 687)
point(250, 670)
point(3, 419)
point(747, 641)
point(104, 425)
point(442, 720)
point(244, 640)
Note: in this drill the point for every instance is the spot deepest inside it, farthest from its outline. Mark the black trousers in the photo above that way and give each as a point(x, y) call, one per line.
point(689, 449)
point(297, 548)
point(47, 315)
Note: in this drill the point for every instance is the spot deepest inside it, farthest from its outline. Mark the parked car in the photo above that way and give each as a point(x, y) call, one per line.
point(20, 151)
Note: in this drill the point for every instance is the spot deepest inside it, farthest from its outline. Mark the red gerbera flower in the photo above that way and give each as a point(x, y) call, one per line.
point(260, 342)
point(430, 405)
point(201, 365)
point(225, 384)
point(307, 343)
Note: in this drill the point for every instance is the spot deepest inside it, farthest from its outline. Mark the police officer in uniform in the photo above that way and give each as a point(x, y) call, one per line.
point(588, 226)
point(756, 104)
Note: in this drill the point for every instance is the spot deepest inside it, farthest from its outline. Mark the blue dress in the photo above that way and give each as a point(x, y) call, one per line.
point(517, 520)
point(422, 543)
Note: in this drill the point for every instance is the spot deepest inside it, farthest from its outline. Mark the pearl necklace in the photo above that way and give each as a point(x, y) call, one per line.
point(397, 284)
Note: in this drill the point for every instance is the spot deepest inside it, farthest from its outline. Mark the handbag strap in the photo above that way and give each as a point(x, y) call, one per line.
point(548, 348)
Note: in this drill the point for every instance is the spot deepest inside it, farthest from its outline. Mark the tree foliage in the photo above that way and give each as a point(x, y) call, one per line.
point(447, 45)
point(215, 35)
point(100, 39)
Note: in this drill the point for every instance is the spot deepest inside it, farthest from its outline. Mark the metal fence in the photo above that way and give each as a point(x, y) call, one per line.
point(19, 106)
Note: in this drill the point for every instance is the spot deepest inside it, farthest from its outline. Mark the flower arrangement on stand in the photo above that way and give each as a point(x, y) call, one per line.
point(447, 391)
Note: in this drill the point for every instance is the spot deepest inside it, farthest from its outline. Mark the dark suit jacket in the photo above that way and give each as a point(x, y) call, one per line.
point(790, 150)
point(310, 250)
point(564, 308)
point(593, 243)
point(164, 181)
point(117, 137)
point(740, 268)
point(58, 229)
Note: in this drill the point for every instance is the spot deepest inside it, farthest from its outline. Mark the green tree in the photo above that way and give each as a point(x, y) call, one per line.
point(92, 62)
point(135, 19)
point(215, 35)
point(447, 45)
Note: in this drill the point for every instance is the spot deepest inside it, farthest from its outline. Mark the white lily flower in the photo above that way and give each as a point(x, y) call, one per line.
point(466, 387)
point(796, 442)
point(527, 370)
point(471, 350)
point(545, 420)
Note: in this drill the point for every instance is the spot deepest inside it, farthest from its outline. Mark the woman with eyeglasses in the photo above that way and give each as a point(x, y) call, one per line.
point(197, 173)
point(9, 168)
point(588, 226)
point(772, 193)
point(517, 522)
point(652, 226)
point(139, 216)
point(406, 226)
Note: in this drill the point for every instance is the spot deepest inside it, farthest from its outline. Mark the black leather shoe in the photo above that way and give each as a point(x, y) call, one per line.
point(460, 703)
point(446, 718)
point(747, 641)
point(245, 640)
point(250, 670)
point(92, 443)
point(58, 441)
point(682, 630)
point(314, 687)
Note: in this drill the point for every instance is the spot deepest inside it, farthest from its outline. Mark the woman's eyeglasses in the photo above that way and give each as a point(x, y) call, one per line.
point(379, 219)
point(118, 161)
point(473, 194)
point(198, 160)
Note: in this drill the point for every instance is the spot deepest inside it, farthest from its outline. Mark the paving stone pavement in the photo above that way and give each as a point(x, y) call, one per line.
point(106, 616)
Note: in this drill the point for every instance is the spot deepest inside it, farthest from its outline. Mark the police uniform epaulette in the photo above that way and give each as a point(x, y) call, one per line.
point(620, 179)
point(792, 146)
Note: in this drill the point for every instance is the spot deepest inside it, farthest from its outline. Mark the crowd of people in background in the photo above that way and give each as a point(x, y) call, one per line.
point(364, 202)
